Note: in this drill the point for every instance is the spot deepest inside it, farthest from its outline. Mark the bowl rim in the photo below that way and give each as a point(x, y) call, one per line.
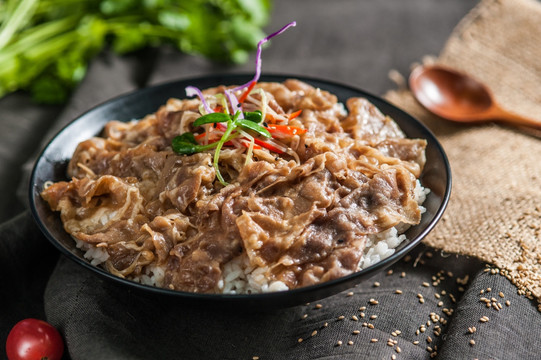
point(255, 297)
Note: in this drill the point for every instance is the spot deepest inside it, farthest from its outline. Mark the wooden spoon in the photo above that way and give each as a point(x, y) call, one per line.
point(456, 96)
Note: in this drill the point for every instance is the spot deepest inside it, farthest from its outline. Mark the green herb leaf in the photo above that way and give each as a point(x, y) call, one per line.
point(255, 116)
point(212, 118)
point(255, 127)
point(185, 144)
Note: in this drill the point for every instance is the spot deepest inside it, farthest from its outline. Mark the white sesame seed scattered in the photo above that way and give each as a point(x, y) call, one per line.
point(416, 342)
point(484, 319)
point(373, 302)
point(350, 342)
point(373, 340)
point(508, 303)
point(255, 357)
point(338, 343)
point(501, 294)
point(440, 303)
point(402, 274)
point(422, 301)
point(429, 349)
point(425, 284)
point(394, 333)
point(398, 332)
point(300, 340)
point(376, 284)
point(362, 315)
point(398, 350)
point(429, 339)
point(356, 332)
point(472, 342)
point(362, 308)
point(314, 333)
point(326, 324)
point(319, 306)
point(355, 318)
point(372, 317)
point(305, 316)
point(390, 272)
point(398, 291)
point(489, 289)
point(370, 326)
point(393, 357)
point(341, 317)
point(349, 293)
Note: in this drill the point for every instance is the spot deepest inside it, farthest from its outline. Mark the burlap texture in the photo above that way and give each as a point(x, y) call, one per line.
point(495, 208)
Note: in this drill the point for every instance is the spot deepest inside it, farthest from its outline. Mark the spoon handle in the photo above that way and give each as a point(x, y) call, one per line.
point(515, 119)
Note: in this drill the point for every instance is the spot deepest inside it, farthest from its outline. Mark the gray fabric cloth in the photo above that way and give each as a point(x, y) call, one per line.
point(347, 41)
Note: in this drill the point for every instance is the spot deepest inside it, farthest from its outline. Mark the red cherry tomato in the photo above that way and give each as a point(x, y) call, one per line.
point(33, 339)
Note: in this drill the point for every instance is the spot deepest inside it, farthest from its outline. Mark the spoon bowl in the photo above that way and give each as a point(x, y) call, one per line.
point(456, 96)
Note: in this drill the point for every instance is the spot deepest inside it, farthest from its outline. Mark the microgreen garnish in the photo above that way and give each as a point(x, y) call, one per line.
point(247, 122)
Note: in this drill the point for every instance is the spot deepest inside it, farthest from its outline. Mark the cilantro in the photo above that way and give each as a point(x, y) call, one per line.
point(45, 45)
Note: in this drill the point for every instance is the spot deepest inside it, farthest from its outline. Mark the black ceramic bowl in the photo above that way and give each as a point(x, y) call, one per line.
point(52, 162)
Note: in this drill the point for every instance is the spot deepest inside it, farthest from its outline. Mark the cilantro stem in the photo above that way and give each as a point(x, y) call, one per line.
point(231, 125)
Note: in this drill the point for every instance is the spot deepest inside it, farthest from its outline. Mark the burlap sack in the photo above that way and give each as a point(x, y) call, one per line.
point(495, 208)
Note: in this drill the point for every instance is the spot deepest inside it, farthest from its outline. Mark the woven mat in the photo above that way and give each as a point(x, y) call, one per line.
point(495, 208)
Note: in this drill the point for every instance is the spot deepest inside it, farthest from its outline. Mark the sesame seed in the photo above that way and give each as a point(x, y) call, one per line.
point(314, 333)
point(370, 326)
point(300, 340)
point(484, 319)
point(472, 342)
point(429, 349)
point(501, 294)
point(398, 291)
point(394, 333)
point(429, 339)
point(416, 342)
point(341, 317)
point(319, 306)
point(350, 342)
point(393, 357)
point(373, 340)
point(402, 274)
point(422, 301)
point(390, 272)
point(425, 284)
point(489, 289)
point(356, 332)
point(255, 357)
point(376, 284)
point(372, 317)
point(349, 294)
point(305, 316)
point(362, 315)
point(398, 332)
point(440, 303)
point(398, 350)
point(508, 303)
point(420, 296)
point(362, 308)
point(365, 324)
point(326, 324)
point(355, 318)
point(373, 302)
point(417, 332)
point(338, 343)
point(422, 329)
point(472, 329)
